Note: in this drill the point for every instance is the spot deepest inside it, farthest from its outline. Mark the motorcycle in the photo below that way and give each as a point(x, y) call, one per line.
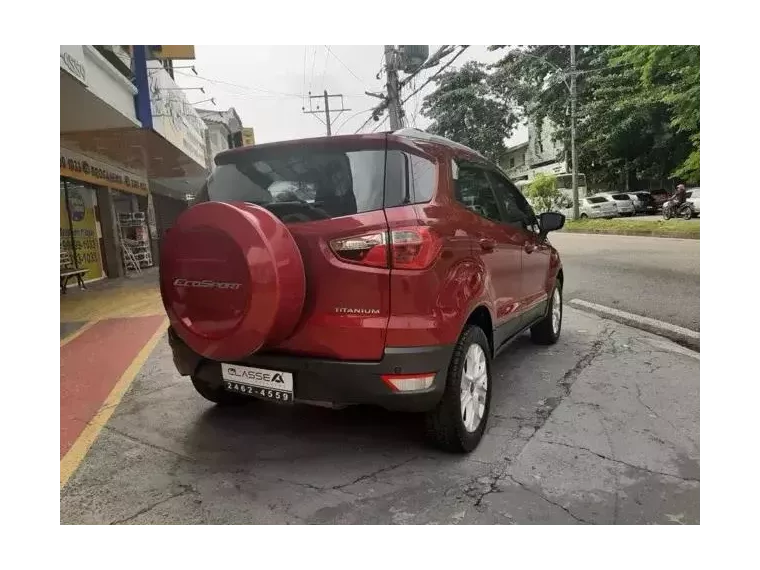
point(686, 211)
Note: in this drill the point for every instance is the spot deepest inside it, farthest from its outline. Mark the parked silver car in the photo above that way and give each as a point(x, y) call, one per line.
point(594, 207)
point(643, 202)
point(692, 196)
point(623, 202)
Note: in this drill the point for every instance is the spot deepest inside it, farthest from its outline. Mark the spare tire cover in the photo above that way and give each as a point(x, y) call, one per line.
point(232, 279)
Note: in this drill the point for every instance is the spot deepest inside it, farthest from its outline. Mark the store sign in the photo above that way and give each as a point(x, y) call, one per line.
point(80, 237)
point(174, 118)
point(86, 169)
point(72, 61)
point(248, 137)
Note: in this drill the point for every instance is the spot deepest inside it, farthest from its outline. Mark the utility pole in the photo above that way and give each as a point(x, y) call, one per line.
point(395, 110)
point(326, 97)
point(573, 152)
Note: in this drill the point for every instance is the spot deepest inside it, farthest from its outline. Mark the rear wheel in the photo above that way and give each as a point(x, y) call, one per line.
point(547, 330)
point(584, 216)
point(458, 422)
point(217, 394)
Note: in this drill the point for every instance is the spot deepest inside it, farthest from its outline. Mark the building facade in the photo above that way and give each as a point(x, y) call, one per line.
point(128, 136)
point(225, 130)
point(541, 153)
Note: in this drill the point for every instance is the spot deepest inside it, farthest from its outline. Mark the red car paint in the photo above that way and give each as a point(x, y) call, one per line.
point(301, 294)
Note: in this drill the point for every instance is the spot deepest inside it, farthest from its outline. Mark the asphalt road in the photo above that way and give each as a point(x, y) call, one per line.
point(653, 277)
point(601, 428)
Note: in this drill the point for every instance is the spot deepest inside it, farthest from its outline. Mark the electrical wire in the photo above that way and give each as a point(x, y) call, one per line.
point(344, 65)
point(380, 124)
point(247, 88)
point(343, 124)
point(374, 110)
point(440, 70)
point(313, 61)
point(324, 72)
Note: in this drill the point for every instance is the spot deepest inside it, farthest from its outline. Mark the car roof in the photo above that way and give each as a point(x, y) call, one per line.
point(419, 135)
point(411, 134)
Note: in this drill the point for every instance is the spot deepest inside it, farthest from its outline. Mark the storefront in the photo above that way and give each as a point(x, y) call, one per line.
point(105, 216)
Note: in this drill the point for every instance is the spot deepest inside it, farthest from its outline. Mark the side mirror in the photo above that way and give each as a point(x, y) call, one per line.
point(549, 222)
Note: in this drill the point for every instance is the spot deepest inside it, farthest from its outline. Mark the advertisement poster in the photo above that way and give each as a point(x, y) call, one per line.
point(83, 227)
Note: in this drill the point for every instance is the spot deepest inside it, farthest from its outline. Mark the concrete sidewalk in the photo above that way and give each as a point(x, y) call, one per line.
point(601, 428)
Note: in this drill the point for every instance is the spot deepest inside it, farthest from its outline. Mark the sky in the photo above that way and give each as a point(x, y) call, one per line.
point(269, 86)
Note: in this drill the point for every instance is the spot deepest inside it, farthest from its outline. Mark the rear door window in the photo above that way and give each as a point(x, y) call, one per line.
point(423, 176)
point(473, 191)
point(596, 199)
point(621, 197)
point(323, 183)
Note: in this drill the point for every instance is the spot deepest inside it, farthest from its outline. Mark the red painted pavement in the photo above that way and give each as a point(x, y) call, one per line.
point(92, 364)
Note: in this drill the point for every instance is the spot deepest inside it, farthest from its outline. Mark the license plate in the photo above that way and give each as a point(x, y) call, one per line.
point(262, 383)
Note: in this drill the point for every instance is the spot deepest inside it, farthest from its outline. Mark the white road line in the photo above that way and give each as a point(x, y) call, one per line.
point(674, 332)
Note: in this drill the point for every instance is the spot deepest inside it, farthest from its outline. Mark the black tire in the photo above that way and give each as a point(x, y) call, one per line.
point(584, 216)
point(543, 331)
point(688, 213)
point(218, 395)
point(444, 425)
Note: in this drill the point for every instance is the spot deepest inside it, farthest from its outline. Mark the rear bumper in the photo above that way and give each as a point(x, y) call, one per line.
point(336, 382)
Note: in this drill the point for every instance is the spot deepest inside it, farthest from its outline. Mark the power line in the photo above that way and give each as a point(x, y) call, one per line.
point(344, 65)
point(432, 60)
point(440, 70)
point(303, 88)
point(327, 59)
point(380, 124)
point(343, 124)
point(313, 61)
point(316, 112)
point(220, 82)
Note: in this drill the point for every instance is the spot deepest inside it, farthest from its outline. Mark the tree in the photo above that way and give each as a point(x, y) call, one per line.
point(544, 195)
point(638, 106)
point(536, 78)
point(465, 109)
point(625, 133)
point(669, 74)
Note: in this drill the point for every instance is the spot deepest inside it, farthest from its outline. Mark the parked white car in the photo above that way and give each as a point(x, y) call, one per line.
point(692, 196)
point(594, 207)
point(623, 202)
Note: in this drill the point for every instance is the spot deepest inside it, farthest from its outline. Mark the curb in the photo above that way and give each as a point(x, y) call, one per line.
point(680, 335)
point(675, 235)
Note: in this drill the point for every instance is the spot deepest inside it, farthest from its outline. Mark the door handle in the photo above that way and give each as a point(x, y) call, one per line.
point(487, 244)
point(529, 247)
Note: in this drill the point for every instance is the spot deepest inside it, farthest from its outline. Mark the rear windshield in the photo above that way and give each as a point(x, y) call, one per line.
point(328, 183)
point(620, 197)
point(596, 199)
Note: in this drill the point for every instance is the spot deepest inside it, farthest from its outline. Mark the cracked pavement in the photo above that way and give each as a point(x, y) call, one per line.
point(601, 428)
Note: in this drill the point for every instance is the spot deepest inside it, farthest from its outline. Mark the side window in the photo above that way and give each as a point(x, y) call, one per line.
point(516, 208)
point(473, 190)
point(423, 178)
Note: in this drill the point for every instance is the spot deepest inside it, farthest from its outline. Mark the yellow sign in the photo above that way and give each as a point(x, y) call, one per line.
point(86, 169)
point(248, 138)
point(83, 226)
point(168, 52)
point(171, 52)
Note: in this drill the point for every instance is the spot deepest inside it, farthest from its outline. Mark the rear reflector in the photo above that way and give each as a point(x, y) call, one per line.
point(411, 248)
point(409, 382)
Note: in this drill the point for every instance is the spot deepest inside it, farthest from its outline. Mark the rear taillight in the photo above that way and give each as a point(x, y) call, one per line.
point(410, 248)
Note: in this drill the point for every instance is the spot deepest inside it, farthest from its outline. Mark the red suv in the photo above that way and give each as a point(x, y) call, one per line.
point(383, 269)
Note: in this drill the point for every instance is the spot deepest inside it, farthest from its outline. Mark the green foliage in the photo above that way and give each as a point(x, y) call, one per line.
point(465, 109)
point(543, 194)
point(637, 106)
